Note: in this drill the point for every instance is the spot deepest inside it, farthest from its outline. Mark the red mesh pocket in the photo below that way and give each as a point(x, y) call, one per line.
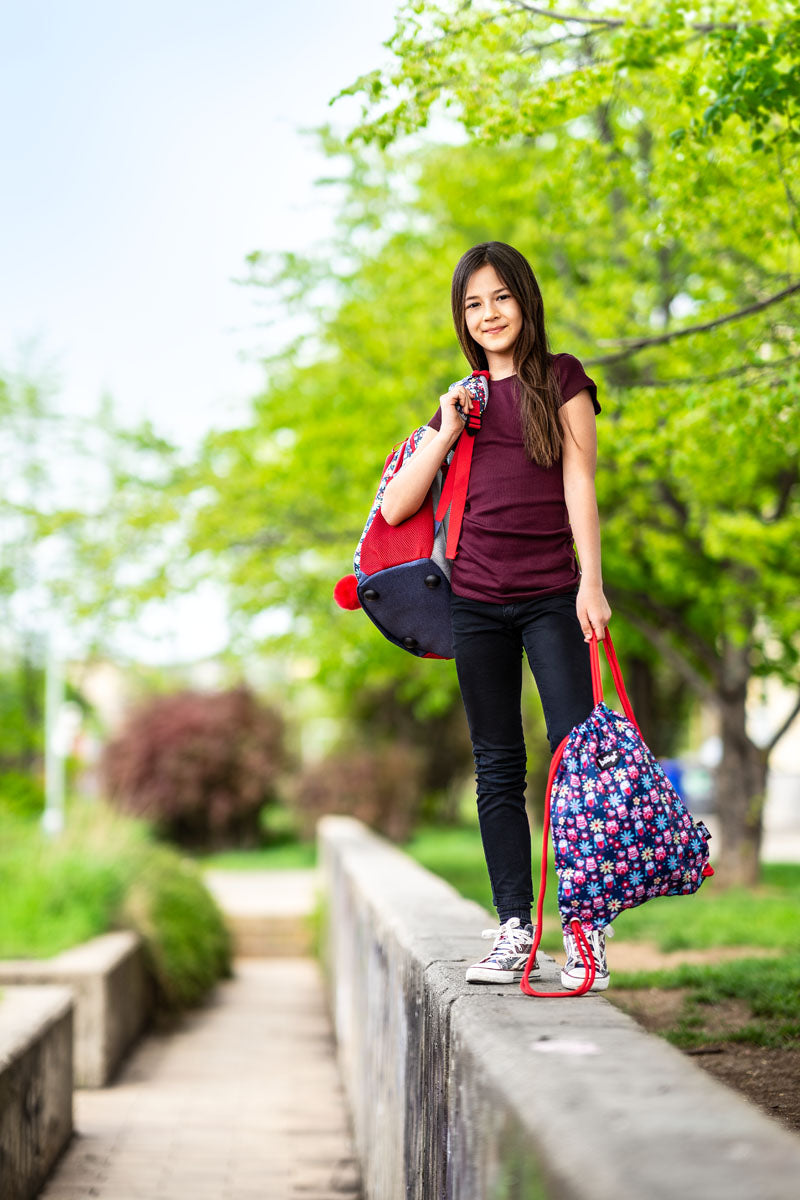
point(390, 545)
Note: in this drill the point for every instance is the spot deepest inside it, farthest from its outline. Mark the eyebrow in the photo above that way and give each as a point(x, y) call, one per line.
point(494, 293)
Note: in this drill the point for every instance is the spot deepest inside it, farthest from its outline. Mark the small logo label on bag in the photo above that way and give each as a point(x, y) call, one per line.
point(607, 759)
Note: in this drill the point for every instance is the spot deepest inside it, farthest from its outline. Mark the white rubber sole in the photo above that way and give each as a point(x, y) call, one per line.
point(573, 982)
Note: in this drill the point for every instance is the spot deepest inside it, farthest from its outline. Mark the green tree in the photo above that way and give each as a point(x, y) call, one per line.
point(701, 509)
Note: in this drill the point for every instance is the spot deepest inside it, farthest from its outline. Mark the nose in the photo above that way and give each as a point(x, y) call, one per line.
point(490, 311)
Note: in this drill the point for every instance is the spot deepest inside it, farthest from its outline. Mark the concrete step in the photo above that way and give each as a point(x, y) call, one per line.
point(269, 913)
point(269, 937)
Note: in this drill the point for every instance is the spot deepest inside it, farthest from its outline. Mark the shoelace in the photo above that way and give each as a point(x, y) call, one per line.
point(593, 936)
point(510, 932)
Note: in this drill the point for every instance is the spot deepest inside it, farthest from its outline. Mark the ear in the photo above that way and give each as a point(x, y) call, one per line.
point(345, 593)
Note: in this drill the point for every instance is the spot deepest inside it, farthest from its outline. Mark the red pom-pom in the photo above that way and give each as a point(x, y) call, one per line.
point(345, 593)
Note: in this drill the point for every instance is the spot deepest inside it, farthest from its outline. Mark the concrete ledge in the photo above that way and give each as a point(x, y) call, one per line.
point(481, 1093)
point(35, 1086)
point(108, 978)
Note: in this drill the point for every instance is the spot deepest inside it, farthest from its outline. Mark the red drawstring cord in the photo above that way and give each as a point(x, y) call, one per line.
point(578, 932)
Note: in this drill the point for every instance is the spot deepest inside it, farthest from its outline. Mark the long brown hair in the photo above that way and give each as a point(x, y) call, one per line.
point(538, 388)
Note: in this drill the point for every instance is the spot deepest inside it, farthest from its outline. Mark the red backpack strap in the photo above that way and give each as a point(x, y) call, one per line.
point(454, 491)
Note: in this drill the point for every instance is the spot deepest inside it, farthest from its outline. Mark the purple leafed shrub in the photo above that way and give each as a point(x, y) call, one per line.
point(200, 765)
point(380, 786)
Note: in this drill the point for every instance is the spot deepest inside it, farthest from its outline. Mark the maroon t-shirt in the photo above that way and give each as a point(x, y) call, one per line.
point(516, 540)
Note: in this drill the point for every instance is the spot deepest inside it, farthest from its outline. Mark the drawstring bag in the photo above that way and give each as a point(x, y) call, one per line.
point(402, 572)
point(621, 833)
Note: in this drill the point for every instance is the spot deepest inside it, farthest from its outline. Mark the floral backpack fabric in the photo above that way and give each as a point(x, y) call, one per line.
point(402, 572)
point(621, 833)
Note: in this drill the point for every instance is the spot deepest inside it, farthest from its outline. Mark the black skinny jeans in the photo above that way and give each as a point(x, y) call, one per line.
point(488, 640)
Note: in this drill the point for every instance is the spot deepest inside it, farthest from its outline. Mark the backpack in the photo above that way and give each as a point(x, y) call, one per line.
point(402, 572)
point(621, 833)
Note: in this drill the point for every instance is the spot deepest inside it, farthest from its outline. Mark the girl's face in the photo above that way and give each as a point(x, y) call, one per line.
point(493, 316)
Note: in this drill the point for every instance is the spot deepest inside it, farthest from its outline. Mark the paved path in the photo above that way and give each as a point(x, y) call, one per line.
point(243, 1102)
point(258, 893)
point(267, 912)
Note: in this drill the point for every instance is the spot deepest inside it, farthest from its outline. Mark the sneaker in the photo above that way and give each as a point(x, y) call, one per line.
point(505, 962)
point(574, 972)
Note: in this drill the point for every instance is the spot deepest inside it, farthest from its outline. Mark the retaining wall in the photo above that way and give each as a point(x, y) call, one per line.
point(475, 1092)
point(113, 1001)
point(35, 1085)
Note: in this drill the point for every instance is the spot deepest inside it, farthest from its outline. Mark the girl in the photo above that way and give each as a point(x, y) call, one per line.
point(515, 582)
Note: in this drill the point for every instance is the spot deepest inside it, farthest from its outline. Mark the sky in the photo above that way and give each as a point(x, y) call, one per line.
point(147, 147)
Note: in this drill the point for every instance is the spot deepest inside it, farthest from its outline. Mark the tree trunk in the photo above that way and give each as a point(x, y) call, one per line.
point(741, 780)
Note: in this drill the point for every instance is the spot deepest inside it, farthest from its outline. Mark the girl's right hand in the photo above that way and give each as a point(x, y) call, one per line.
point(452, 421)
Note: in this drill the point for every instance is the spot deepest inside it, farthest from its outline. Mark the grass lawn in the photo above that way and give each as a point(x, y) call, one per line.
point(283, 856)
point(104, 872)
point(748, 1000)
point(766, 916)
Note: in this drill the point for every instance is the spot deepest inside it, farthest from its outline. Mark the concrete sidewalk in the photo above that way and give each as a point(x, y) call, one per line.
point(242, 1102)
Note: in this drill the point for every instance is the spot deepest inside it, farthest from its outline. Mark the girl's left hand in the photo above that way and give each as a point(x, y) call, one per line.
point(594, 611)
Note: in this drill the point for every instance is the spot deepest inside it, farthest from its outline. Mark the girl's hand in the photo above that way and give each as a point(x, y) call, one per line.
point(594, 611)
point(452, 422)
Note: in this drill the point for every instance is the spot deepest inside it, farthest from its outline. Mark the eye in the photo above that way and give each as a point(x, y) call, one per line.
point(473, 304)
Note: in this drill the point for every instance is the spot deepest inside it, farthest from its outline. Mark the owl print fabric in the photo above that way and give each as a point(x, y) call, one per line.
point(621, 833)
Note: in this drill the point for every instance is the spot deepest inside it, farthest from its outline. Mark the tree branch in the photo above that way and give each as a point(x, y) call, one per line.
point(790, 199)
point(632, 344)
point(607, 22)
point(785, 483)
point(657, 636)
point(728, 373)
point(776, 737)
point(616, 22)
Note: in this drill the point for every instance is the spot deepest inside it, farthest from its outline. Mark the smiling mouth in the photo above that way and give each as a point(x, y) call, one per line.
point(497, 329)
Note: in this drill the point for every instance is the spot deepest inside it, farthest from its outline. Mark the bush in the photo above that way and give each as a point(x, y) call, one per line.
point(198, 765)
point(105, 873)
point(186, 941)
point(21, 794)
point(61, 892)
point(380, 786)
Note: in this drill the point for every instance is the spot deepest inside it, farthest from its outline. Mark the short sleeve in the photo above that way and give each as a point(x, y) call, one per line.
point(574, 379)
point(436, 420)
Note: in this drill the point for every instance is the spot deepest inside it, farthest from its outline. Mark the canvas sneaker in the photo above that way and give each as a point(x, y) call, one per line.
point(574, 972)
point(505, 962)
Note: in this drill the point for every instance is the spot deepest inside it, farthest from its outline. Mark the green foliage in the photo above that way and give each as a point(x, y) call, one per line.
point(90, 519)
point(187, 943)
point(511, 70)
point(286, 856)
point(21, 736)
point(20, 794)
point(700, 446)
point(105, 873)
point(58, 893)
